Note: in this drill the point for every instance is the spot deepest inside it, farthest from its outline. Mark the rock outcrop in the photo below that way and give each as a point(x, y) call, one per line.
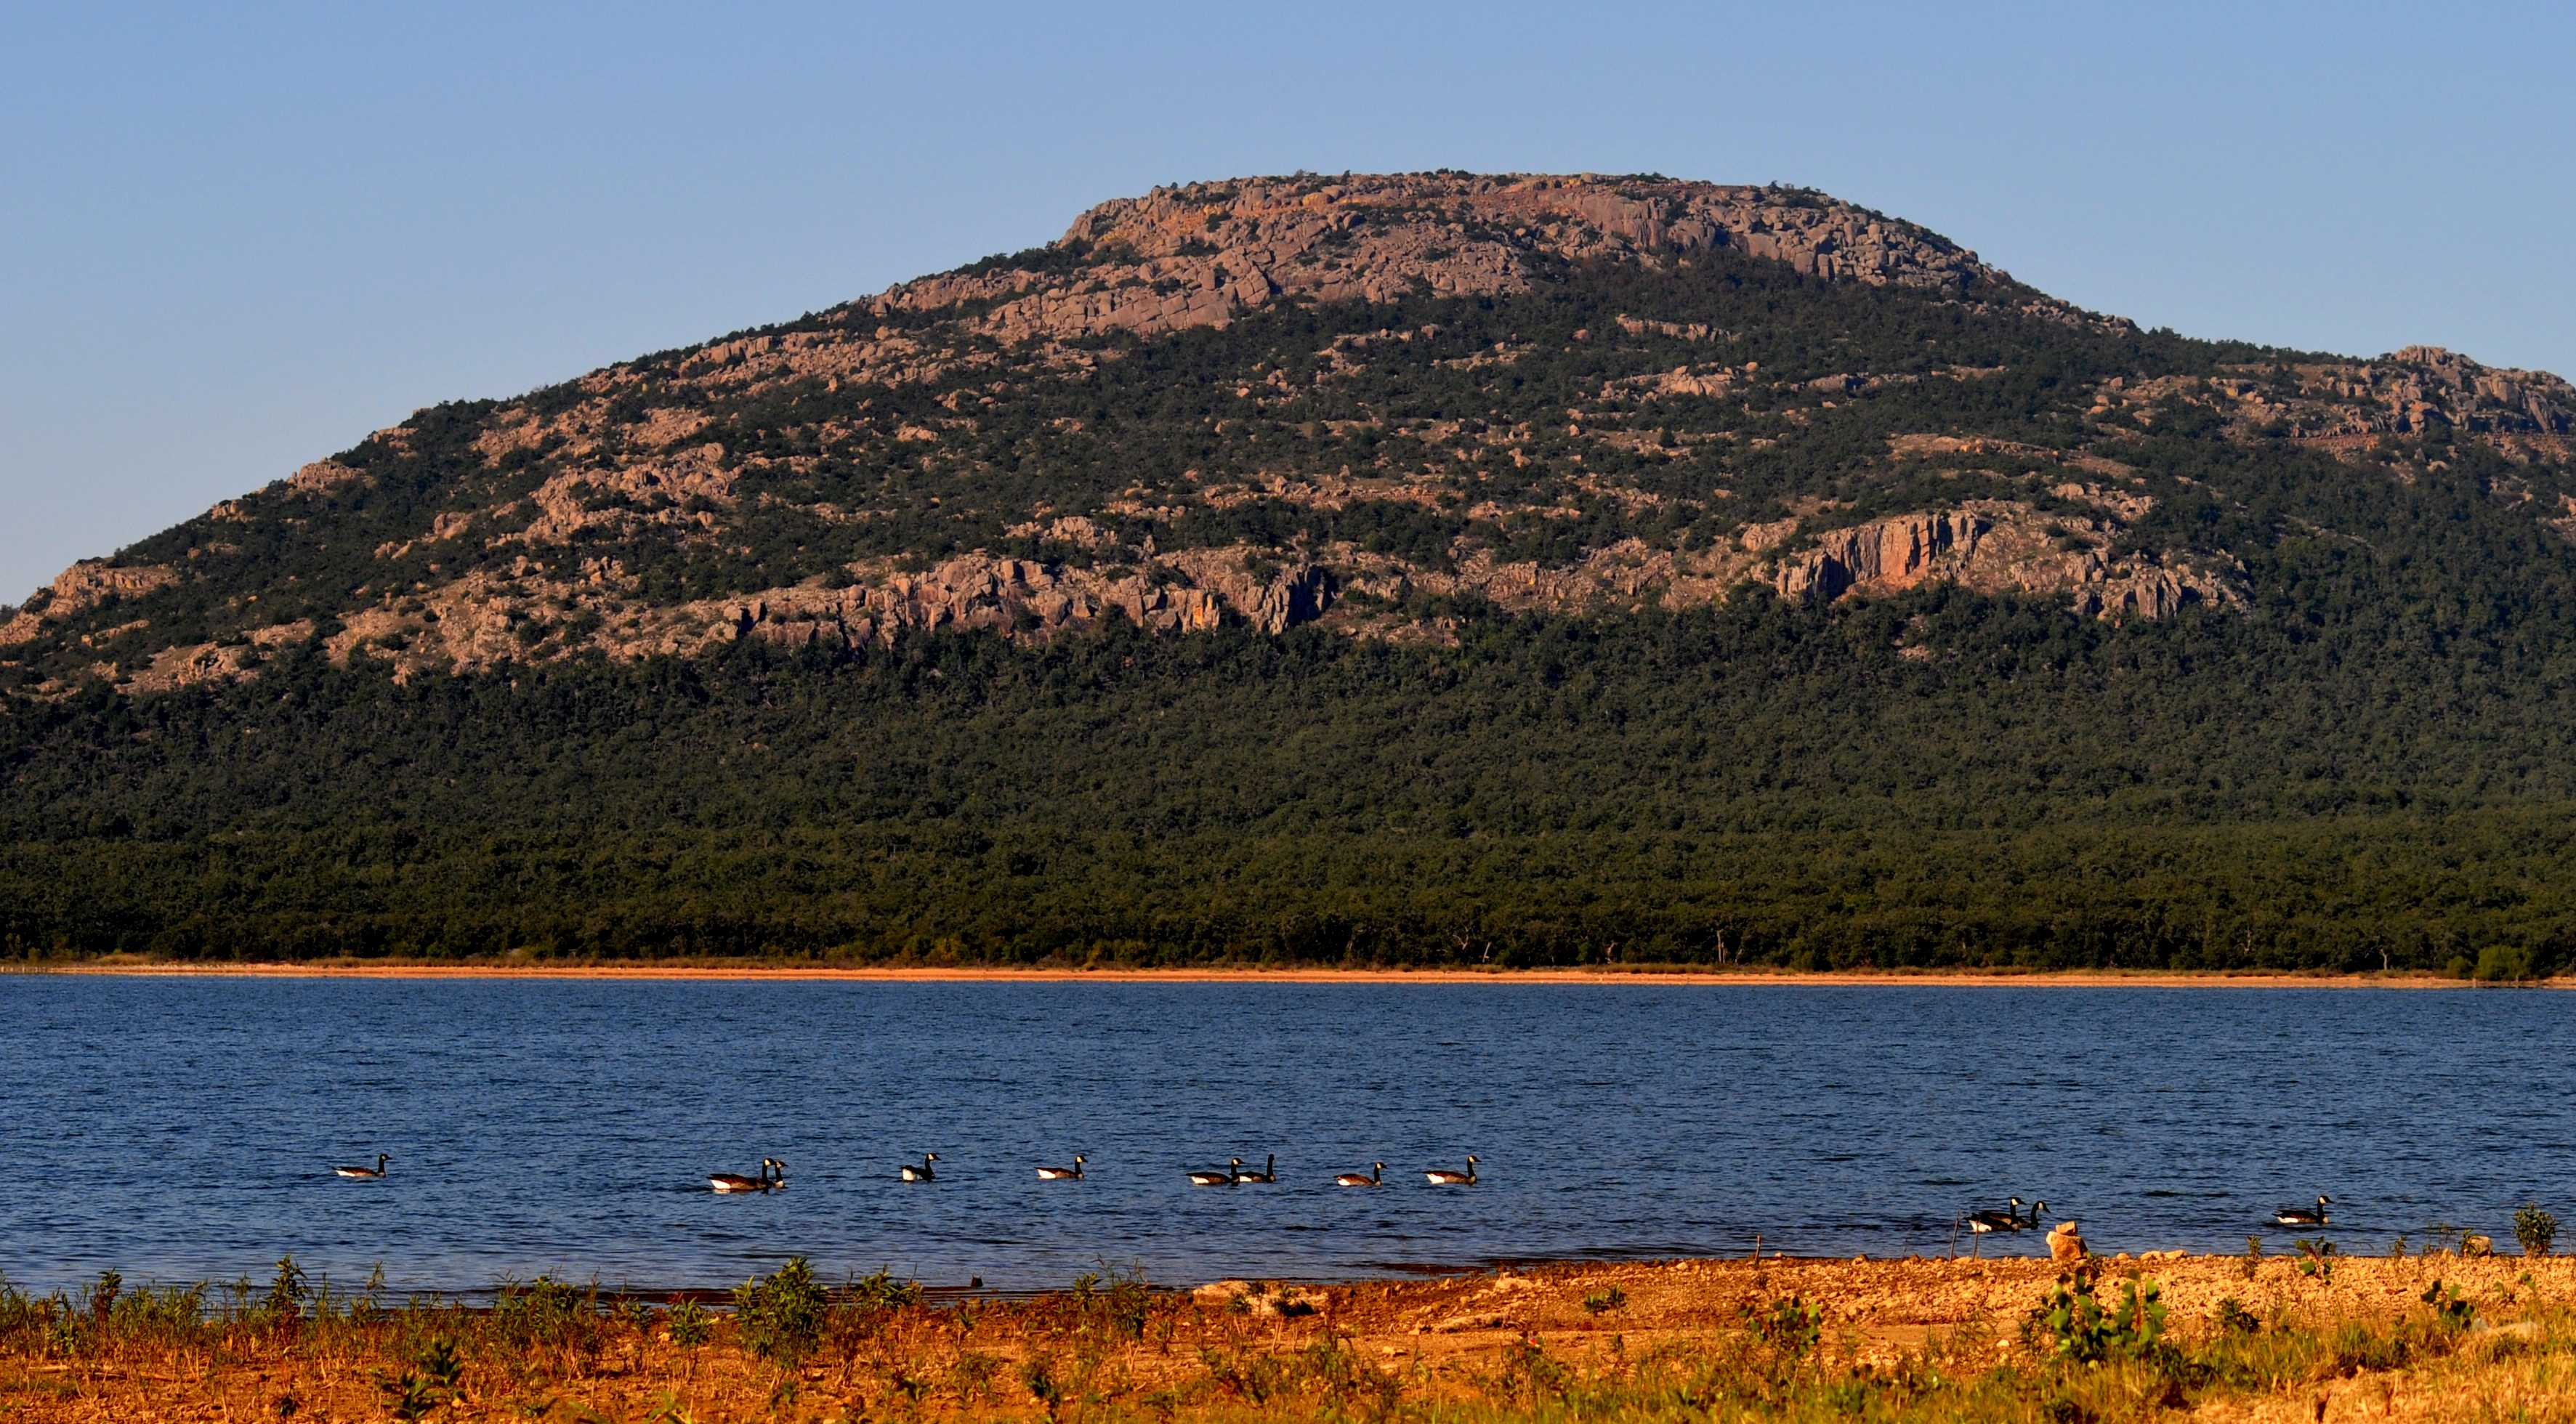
point(1203, 254)
point(2421, 385)
point(82, 587)
point(2408, 392)
point(1883, 556)
point(1183, 593)
point(1998, 546)
point(2066, 1243)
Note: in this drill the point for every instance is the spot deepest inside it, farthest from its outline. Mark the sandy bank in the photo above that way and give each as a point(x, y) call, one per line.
point(2421, 1338)
point(2013, 979)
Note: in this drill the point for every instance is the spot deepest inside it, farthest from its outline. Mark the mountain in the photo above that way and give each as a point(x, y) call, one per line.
point(1404, 567)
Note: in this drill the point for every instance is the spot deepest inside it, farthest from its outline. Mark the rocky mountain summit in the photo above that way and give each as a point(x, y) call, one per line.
point(1206, 254)
point(1371, 403)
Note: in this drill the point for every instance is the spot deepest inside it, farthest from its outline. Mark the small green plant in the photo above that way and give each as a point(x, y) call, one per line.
point(1611, 1299)
point(689, 1324)
point(2081, 1331)
point(1530, 1375)
point(1037, 1375)
point(2316, 1257)
point(881, 1290)
point(1791, 1325)
point(2535, 1227)
point(2448, 1308)
point(433, 1380)
point(408, 1396)
point(972, 1375)
point(63, 1335)
point(2234, 1319)
point(781, 1315)
point(545, 1311)
point(287, 1291)
point(370, 1306)
point(1116, 1300)
point(439, 1363)
point(2253, 1264)
point(667, 1410)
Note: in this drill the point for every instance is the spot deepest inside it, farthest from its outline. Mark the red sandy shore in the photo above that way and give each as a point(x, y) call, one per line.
point(2068, 979)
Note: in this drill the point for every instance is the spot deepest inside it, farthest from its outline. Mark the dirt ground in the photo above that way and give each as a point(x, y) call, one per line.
point(1920, 1338)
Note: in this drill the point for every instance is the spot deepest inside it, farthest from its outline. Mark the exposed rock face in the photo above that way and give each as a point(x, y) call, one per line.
point(1205, 253)
point(482, 620)
point(82, 587)
point(1885, 556)
point(2001, 547)
point(1184, 593)
point(2423, 384)
point(322, 476)
point(653, 491)
point(190, 664)
point(2410, 391)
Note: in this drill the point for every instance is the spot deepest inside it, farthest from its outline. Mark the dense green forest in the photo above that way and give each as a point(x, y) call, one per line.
point(1755, 783)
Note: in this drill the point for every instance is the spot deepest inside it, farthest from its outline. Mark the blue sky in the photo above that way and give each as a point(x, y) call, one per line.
point(235, 242)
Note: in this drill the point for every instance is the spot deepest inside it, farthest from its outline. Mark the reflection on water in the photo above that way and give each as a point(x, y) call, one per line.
point(186, 1128)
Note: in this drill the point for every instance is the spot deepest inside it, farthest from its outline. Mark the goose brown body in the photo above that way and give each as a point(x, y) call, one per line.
point(1443, 1177)
point(1232, 1174)
point(731, 1183)
point(2304, 1216)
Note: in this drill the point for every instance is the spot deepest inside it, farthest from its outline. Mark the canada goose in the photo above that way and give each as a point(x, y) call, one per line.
point(377, 1170)
point(1376, 1176)
point(2038, 1209)
point(1443, 1177)
point(736, 1182)
point(1268, 1173)
point(2302, 1216)
point(2008, 1219)
point(921, 1173)
point(1063, 1174)
point(1232, 1174)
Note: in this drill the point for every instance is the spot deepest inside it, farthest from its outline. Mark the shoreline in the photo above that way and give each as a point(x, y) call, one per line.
point(1944, 978)
point(2255, 1340)
point(720, 1293)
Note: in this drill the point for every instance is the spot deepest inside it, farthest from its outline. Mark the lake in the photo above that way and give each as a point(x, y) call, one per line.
point(184, 1128)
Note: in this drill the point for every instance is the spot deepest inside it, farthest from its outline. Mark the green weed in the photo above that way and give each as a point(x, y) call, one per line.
point(2535, 1228)
point(782, 1315)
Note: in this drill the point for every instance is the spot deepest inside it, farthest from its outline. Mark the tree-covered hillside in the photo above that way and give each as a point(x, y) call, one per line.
point(1427, 569)
point(1755, 783)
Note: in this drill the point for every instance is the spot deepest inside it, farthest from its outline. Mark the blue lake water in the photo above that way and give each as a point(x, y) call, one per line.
point(178, 1129)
